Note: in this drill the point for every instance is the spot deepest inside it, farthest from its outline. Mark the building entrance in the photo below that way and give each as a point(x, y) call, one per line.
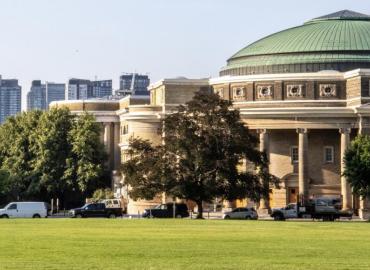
point(292, 195)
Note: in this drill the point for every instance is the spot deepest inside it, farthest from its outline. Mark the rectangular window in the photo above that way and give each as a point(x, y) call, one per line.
point(294, 154)
point(329, 154)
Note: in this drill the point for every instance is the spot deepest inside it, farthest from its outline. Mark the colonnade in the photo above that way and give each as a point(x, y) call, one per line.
point(303, 176)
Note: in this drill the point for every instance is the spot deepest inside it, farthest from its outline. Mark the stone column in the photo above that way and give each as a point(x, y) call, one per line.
point(364, 212)
point(102, 132)
point(117, 148)
point(302, 164)
point(264, 205)
point(345, 188)
point(108, 143)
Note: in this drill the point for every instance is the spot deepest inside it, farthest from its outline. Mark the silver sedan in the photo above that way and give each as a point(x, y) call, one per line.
point(241, 213)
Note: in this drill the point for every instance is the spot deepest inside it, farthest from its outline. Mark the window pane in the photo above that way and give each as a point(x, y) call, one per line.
point(328, 154)
point(294, 154)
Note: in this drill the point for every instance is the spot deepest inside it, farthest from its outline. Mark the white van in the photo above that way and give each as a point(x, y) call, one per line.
point(24, 210)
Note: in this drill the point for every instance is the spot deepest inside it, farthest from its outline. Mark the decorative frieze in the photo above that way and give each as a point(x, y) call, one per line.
point(264, 91)
point(219, 92)
point(328, 90)
point(295, 90)
point(238, 92)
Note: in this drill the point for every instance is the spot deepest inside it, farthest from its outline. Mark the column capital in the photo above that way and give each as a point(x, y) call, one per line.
point(345, 130)
point(302, 130)
point(261, 131)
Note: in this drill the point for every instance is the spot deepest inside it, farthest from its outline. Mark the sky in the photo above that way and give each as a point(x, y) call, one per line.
point(54, 40)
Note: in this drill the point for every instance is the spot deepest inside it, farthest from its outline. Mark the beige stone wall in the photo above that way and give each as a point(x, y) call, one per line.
point(124, 103)
point(157, 96)
point(353, 87)
point(88, 106)
point(322, 173)
point(324, 177)
point(180, 94)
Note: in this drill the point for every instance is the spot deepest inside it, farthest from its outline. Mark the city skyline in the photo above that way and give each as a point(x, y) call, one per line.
point(123, 36)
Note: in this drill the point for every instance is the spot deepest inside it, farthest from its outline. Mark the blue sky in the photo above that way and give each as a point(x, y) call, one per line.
point(55, 40)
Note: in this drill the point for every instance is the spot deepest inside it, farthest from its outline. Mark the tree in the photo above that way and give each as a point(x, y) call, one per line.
point(148, 170)
point(52, 154)
point(85, 163)
point(52, 150)
point(17, 155)
point(357, 165)
point(102, 193)
point(204, 144)
point(4, 186)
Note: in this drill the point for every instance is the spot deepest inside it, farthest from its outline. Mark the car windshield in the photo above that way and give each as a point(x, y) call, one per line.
point(11, 206)
point(6, 206)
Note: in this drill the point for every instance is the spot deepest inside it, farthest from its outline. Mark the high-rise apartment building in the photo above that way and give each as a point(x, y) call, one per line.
point(79, 89)
point(40, 95)
point(102, 88)
point(55, 92)
point(10, 98)
point(133, 84)
point(36, 97)
point(86, 89)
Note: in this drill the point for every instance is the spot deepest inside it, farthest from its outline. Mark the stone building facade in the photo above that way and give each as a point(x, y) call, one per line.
point(304, 92)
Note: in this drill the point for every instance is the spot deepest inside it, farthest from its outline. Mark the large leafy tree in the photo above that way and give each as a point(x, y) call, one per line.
point(51, 154)
point(149, 169)
point(204, 144)
point(357, 165)
point(17, 153)
point(85, 163)
point(52, 150)
point(4, 186)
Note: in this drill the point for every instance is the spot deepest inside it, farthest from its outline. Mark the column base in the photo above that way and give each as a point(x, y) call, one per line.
point(263, 212)
point(364, 214)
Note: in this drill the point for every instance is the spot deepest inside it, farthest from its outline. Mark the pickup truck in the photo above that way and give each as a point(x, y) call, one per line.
point(319, 208)
point(166, 211)
point(95, 210)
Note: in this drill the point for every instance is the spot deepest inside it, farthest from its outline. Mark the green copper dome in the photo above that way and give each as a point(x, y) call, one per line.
point(338, 41)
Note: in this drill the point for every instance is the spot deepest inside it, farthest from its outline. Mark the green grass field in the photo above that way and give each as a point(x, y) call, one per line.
point(182, 244)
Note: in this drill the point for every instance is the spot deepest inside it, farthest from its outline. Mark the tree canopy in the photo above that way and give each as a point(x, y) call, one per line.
point(205, 144)
point(357, 165)
point(52, 154)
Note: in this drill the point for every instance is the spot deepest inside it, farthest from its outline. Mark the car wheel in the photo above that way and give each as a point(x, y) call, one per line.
point(248, 218)
point(227, 217)
point(4, 216)
point(112, 216)
point(178, 216)
point(36, 216)
point(78, 216)
point(278, 217)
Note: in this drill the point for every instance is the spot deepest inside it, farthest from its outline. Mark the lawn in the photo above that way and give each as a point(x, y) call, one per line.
point(182, 244)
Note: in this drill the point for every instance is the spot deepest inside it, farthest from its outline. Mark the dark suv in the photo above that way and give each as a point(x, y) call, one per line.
point(96, 210)
point(166, 211)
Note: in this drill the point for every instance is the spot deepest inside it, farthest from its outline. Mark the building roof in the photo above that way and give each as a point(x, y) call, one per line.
point(334, 40)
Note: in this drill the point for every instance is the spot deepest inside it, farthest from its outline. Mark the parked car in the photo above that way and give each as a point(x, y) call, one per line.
point(166, 211)
point(24, 210)
point(95, 210)
point(241, 213)
point(327, 209)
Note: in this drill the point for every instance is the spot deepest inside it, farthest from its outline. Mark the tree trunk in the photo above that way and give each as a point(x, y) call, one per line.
point(200, 209)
